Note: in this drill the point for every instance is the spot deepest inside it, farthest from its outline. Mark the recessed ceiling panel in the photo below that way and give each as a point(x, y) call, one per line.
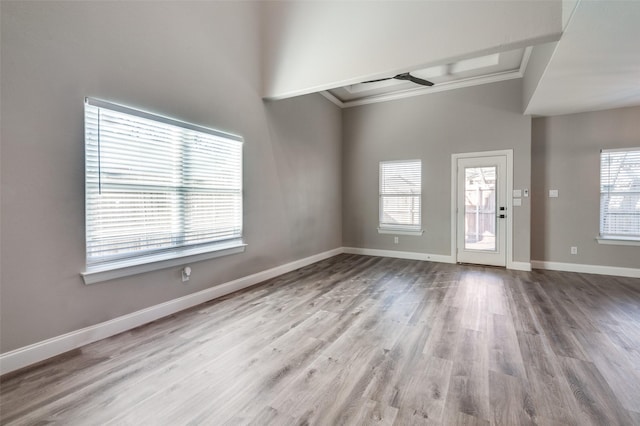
point(463, 73)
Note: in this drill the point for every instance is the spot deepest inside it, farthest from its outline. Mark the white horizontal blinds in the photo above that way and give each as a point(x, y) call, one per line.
point(620, 193)
point(153, 185)
point(400, 194)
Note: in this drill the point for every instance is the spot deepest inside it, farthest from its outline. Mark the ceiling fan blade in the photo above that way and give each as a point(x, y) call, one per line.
point(419, 80)
point(380, 79)
point(404, 76)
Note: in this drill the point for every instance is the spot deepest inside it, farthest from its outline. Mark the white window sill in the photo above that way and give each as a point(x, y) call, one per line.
point(618, 241)
point(398, 231)
point(128, 267)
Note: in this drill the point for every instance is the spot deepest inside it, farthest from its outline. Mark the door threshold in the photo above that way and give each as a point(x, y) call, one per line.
point(480, 264)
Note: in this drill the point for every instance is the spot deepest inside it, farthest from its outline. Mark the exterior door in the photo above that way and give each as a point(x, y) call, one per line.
point(481, 210)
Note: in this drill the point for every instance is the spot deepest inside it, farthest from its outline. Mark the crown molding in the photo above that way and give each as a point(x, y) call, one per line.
point(452, 85)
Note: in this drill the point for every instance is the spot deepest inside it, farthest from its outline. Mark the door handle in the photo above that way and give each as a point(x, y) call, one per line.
point(502, 216)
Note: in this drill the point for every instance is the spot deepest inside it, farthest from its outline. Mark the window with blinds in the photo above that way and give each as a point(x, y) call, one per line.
point(400, 195)
point(620, 194)
point(157, 186)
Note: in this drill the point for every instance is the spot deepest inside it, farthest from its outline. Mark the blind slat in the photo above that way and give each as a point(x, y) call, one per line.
point(155, 184)
point(400, 194)
point(620, 193)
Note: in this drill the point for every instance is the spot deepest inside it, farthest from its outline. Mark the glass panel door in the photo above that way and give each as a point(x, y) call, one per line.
point(480, 208)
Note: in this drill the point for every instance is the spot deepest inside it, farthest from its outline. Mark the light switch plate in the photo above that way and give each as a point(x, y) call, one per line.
point(517, 193)
point(553, 193)
point(517, 202)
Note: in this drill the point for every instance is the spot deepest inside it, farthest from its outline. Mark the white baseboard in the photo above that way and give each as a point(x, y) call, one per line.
point(400, 254)
point(520, 266)
point(587, 269)
point(22, 357)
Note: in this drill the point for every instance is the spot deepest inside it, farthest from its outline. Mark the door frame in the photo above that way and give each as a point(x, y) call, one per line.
point(508, 153)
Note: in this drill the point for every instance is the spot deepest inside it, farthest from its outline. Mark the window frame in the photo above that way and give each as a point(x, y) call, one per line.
point(402, 229)
point(612, 239)
point(173, 254)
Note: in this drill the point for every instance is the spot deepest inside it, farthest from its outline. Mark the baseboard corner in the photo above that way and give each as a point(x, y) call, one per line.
point(409, 255)
point(586, 269)
point(520, 266)
point(41, 351)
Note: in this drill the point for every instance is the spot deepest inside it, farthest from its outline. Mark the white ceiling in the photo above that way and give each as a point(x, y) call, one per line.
point(594, 66)
point(467, 72)
point(596, 63)
point(314, 45)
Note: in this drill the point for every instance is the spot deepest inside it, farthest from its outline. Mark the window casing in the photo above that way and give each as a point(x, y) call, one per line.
point(400, 197)
point(157, 188)
point(620, 194)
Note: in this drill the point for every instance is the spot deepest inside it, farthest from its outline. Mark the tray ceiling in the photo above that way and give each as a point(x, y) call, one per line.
point(463, 73)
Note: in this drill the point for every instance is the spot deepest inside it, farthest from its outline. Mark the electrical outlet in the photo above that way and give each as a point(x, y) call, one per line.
point(396, 240)
point(574, 250)
point(186, 274)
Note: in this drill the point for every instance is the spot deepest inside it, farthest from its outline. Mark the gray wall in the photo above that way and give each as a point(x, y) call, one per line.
point(566, 156)
point(198, 62)
point(431, 128)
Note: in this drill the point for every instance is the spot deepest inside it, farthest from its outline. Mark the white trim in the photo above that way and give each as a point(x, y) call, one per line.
point(332, 98)
point(99, 103)
point(22, 357)
point(521, 266)
point(400, 231)
point(633, 149)
point(525, 60)
point(510, 264)
point(165, 260)
point(442, 258)
point(440, 87)
point(510, 211)
point(586, 269)
point(478, 80)
point(40, 351)
point(618, 241)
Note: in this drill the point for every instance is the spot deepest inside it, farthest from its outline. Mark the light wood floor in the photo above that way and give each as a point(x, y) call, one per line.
point(362, 340)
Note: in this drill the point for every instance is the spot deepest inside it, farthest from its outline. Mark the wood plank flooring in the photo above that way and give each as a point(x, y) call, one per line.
point(360, 340)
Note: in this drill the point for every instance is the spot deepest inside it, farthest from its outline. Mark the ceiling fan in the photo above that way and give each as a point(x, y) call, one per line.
point(404, 76)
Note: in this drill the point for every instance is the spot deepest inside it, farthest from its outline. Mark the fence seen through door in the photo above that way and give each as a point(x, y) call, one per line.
point(480, 208)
